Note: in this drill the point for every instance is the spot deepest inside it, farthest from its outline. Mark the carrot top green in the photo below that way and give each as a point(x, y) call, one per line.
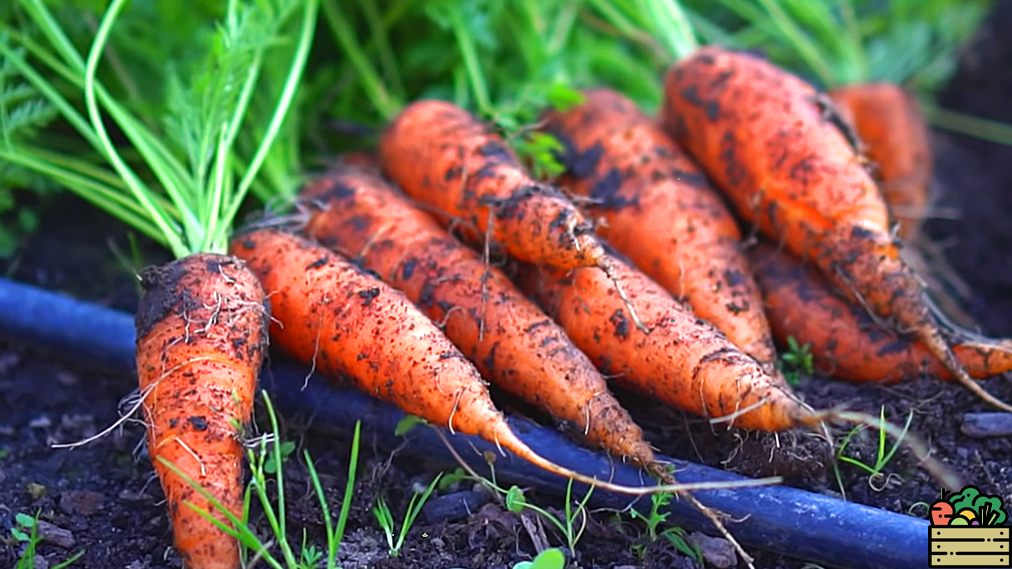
point(179, 174)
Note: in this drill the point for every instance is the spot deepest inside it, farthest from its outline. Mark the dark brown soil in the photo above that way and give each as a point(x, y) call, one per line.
point(105, 493)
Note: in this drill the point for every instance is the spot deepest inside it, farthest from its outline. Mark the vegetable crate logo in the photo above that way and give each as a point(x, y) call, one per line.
point(967, 531)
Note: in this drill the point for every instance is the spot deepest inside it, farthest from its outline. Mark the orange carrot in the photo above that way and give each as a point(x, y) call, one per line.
point(441, 155)
point(846, 342)
point(890, 124)
point(683, 361)
point(201, 334)
point(761, 135)
point(661, 213)
point(511, 342)
point(328, 312)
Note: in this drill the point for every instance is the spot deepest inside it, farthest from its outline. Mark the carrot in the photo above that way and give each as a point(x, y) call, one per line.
point(328, 312)
point(442, 156)
point(761, 135)
point(683, 361)
point(201, 334)
point(511, 342)
point(890, 124)
point(845, 341)
point(661, 213)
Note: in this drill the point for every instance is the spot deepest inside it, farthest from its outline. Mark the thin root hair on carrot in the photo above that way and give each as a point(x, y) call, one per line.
point(135, 401)
point(606, 265)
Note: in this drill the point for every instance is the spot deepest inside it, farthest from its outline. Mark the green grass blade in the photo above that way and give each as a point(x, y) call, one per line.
point(382, 101)
point(469, 53)
point(984, 129)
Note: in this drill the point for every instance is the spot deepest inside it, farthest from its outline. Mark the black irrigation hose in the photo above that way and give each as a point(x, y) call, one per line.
point(796, 523)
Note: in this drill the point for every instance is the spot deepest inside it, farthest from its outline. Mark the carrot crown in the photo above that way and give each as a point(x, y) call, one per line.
point(181, 180)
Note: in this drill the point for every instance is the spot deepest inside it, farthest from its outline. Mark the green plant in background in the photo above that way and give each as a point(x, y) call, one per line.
point(22, 114)
point(836, 42)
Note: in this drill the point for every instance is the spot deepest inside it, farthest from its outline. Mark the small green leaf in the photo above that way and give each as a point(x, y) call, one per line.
point(407, 423)
point(24, 520)
point(563, 97)
point(549, 559)
point(452, 478)
point(515, 500)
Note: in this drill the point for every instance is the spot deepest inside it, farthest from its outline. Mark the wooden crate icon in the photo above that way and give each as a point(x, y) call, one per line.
point(970, 546)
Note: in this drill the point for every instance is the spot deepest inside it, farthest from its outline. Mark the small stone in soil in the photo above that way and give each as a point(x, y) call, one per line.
point(36, 491)
point(40, 422)
point(453, 507)
point(717, 551)
point(81, 502)
point(984, 425)
point(54, 534)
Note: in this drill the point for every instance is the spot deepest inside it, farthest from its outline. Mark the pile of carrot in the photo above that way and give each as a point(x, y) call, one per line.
point(630, 266)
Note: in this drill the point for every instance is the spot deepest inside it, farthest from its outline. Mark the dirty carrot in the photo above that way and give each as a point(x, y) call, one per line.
point(846, 342)
point(328, 312)
point(661, 213)
point(888, 122)
point(763, 137)
point(683, 361)
point(509, 339)
point(443, 156)
point(179, 177)
point(201, 335)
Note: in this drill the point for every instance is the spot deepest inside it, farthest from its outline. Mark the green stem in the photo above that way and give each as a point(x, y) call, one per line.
point(381, 40)
point(281, 110)
point(470, 54)
point(674, 28)
point(94, 191)
point(984, 129)
point(135, 184)
point(804, 47)
point(371, 82)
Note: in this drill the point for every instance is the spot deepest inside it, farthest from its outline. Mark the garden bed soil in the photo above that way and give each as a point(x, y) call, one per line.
point(106, 496)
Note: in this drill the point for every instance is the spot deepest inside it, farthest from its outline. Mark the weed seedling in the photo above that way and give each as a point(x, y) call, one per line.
point(797, 360)
point(386, 518)
point(882, 456)
point(654, 520)
point(26, 531)
point(516, 502)
point(551, 558)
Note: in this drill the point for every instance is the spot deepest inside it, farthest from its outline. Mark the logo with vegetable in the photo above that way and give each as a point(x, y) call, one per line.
point(967, 530)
